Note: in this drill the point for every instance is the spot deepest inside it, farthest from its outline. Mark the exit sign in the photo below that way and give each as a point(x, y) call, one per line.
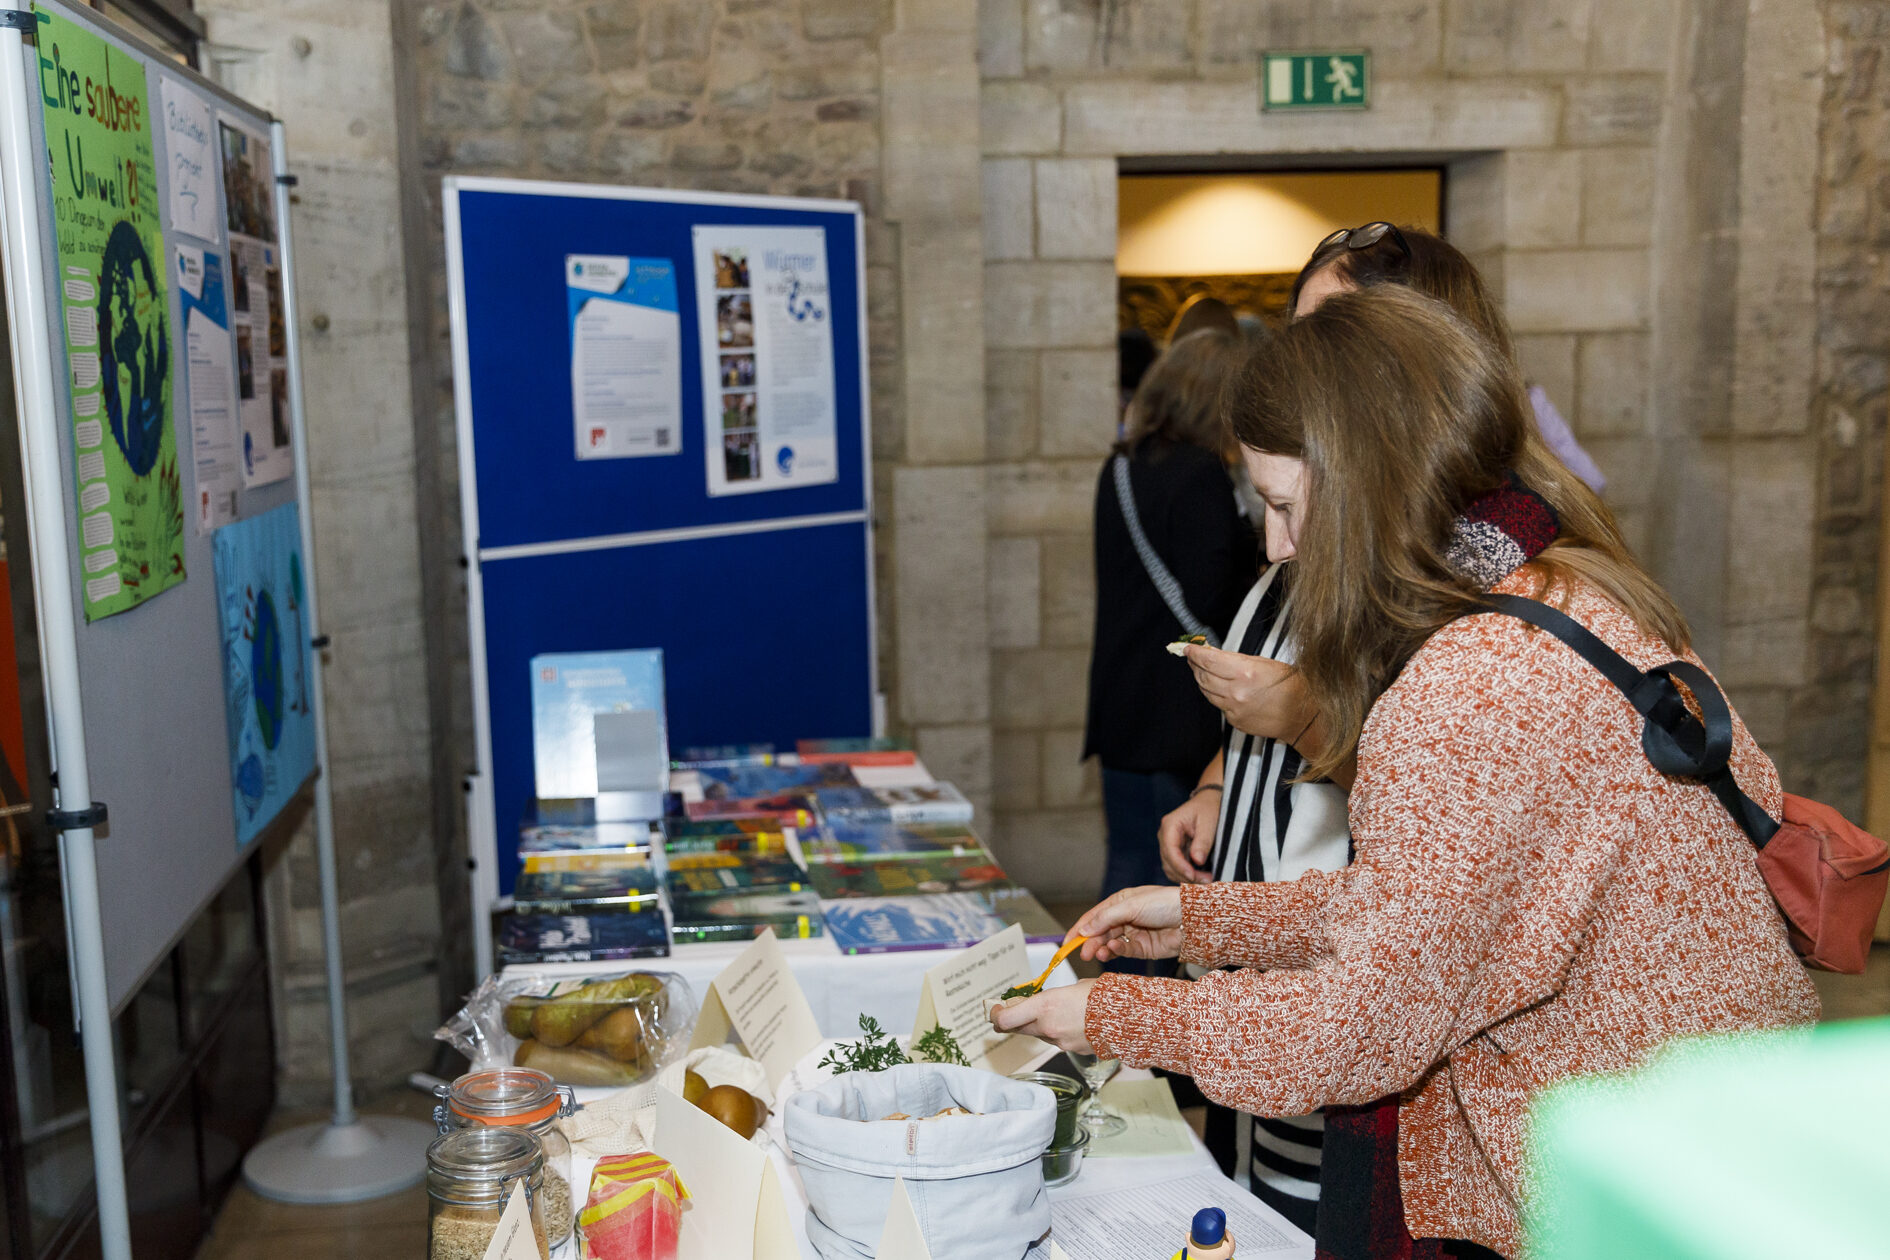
point(1320, 79)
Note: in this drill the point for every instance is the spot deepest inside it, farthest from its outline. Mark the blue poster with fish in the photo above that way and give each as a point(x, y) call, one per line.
point(266, 680)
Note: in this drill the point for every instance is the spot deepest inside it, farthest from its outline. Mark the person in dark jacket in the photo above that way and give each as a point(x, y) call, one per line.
point(1148, 723)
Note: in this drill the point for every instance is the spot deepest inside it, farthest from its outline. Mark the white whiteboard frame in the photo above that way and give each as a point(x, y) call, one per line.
point(481, 821)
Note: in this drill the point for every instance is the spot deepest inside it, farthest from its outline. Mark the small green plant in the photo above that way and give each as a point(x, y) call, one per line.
point(876, 1050)
point(1030, 989)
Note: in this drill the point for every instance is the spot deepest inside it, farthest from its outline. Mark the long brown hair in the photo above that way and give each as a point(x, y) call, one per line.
point(1403, 414)
point(1426, 262)
point(1180, 396)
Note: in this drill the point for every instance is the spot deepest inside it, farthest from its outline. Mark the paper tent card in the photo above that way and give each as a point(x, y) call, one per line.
point(758, 999)
point(736, 1207)
point(958, 992)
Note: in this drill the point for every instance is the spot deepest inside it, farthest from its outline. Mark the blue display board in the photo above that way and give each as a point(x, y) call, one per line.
point(760, 601)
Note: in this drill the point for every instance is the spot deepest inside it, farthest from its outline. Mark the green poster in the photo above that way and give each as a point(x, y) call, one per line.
point(112, 289)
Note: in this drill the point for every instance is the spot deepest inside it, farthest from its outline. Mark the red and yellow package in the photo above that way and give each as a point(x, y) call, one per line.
point(634, 1211)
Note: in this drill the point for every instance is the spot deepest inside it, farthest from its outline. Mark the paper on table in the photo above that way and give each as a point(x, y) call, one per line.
point(758, 998)
point(1155, 1123)
point(913, 774)
point(514, 1239)
point(956, 993)
point(902, 1238)
point(1152, 1220)
point(736, 1209)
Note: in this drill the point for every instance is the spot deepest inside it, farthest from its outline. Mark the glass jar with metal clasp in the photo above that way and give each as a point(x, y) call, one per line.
point(471, 1175)
point(521, 1098)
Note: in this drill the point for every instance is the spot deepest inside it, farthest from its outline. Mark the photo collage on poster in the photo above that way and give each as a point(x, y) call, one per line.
point(735, 341)
point(262, 374)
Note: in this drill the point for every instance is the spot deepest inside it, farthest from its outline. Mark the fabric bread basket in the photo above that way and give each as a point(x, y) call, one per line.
point(976, 1181)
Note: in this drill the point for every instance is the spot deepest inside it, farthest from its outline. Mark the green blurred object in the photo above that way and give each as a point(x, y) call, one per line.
point(1756, 1147)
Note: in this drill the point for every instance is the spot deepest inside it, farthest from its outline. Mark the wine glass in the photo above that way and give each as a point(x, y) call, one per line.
point(1098, 1119)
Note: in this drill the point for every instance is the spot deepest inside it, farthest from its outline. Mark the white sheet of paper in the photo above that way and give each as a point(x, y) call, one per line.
point(758, 998)
point(958, 991)
point(626, 374)
point(736, 1209)
point(514, 1239)
point(902, 1239)
point(1152, 1220)
point(914, 775)
point(215, 447)
point(189, 145)
point(1156, 1126)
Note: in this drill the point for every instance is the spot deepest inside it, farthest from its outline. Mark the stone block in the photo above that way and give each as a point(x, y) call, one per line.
point(943, 630)
point(546, 44)
point(1548, 360)
point(1632, 35)
point(1775, 653)
point(944, 346)
point(1057, 854)
point(1404, 38)
point(1007, 209)
point(1010, 406)
point(474, 46)
point(1069, 779)
point(931, 159)
point(844, 19)
point(1551, 37)
point(1475, 202)
point(679, 78)
point(1076, 208)
point(1632, 467)
point(1771, 539)
point(473, 104)
point(1576, 290)
point(492, 151)
point(614, 27)
point(936, 17)
point(376, 691)
point(1617, 196)
point(1016, 596)
point(1016, 770)
point(1477, 35)
point(960, 755)
point(1069, 589)
point(1033, 688)
point(1615, 381)
point(1061, 37)
point(1077, 401)
point(367, 549)
point(1233, 33)
point(1017, 117)
point(1000, 38)
point(1613, 110)
point(1042, 496)
point(678, 30)
point(818, 80)
point(1050, 304)
point(653, 113)
point(573, 102)
point(1544, 208)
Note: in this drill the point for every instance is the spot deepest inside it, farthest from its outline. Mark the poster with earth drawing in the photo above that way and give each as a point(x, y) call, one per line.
point(114, 298)
point(265, 664)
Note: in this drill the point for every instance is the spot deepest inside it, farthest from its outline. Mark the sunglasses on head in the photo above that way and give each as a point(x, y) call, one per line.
point(1367, 236)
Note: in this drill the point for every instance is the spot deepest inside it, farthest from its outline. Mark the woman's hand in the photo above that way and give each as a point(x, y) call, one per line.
point(1135, 923)
point(1259, 695)
point(1186, 838)
point(1055, 1015)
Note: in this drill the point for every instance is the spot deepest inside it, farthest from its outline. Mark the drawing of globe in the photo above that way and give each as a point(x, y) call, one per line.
point(265, 669)
point(134, 347)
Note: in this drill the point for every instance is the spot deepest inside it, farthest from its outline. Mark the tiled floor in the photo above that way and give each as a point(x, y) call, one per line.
point(256, 1229)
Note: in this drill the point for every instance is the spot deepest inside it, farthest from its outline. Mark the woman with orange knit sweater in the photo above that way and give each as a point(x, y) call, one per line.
point(1530, 900)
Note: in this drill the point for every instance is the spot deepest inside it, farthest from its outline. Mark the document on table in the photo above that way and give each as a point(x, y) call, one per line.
point(1152, 1221)
point(1155, 1123)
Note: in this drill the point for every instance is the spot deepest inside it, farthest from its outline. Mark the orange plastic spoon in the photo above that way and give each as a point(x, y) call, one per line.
point(1056, 960)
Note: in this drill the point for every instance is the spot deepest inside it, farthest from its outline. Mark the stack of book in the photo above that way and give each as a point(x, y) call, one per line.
point(584, 906)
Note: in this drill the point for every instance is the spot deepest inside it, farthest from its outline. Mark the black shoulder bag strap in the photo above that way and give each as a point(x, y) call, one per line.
point(1676, 742)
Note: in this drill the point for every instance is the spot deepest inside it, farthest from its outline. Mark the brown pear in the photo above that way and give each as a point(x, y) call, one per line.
point(619, 1035)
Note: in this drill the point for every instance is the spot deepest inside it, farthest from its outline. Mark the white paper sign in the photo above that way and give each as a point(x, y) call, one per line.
point(766, 318)
point(902, 1238)
point(626, 355)
point(514, 1239)
point(736, 1207)
point(758, 998)
point(190, 160)
point(958, 993)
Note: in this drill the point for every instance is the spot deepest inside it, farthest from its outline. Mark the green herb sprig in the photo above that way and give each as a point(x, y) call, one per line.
point(876, 1050)
point(939, 1046)
point(1030, 989)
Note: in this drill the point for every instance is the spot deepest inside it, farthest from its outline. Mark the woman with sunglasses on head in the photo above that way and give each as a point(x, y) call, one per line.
point(1255, 814)
point(1529, 899)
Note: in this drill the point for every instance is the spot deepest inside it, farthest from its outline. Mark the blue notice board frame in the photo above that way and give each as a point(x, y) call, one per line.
point(762, 602)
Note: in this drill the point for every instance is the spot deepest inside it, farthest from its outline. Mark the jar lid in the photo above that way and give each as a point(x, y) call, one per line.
point(481, 1160)
point(511, 1096)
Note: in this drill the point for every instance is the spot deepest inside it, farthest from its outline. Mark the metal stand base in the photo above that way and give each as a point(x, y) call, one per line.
point(340, 1163)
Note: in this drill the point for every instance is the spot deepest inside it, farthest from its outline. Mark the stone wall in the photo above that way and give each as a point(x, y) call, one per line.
point(325, 67)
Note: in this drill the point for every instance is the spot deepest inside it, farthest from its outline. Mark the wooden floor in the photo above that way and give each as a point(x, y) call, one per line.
point(251, 1228)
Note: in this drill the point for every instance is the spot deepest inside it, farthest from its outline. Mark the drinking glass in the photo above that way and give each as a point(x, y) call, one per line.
point(1098, 1119)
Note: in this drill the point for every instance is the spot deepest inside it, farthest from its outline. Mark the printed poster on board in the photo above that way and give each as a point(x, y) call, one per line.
point(215, 444)
point(262, 336)
point(265, 664)
point(766, 319)
point(626, 356)
point(189, 159)
point(112, 270)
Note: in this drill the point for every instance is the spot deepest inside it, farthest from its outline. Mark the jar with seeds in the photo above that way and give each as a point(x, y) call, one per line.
point(471, 1174)
point(523, 1098)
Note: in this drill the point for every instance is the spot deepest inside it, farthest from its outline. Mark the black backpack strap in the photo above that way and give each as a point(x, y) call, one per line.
point(1676, 742)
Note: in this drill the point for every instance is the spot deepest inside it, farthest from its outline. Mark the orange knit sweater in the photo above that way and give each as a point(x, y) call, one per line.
point(1530, 901)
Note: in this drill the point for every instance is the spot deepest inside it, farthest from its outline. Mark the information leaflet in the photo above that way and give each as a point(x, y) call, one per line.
point(626, 356)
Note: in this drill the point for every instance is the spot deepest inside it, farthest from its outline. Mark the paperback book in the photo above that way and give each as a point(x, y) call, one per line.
point(618, 837)
point(703, 874)
point(743, 916)
point(743, 782)
point(939, 802)
point(578, 883)
point(845, 841)
point(835, 881)
point(856, 752)
point(792, 809)
point(881, 925)
point(545, 938)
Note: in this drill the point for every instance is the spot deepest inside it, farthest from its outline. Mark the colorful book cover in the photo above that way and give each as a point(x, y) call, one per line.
point(880, 925)
point(792, 809)
point(578, 838)
point(922, 875)
point(722, 783)
point(940, 802)
point(573, 883)
point(742, 916)
point(545, 938)
point(569, 690)
point(845, 841)
point(714, 874)
point(697, 756)
point(737, 843)
point(1016, 905)
point(856, 752)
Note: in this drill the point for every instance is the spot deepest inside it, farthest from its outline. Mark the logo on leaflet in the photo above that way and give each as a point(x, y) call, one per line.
point(784, 460)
